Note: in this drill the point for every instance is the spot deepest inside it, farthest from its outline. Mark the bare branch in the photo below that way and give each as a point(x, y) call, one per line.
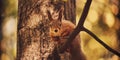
point(79, 26)
point(101, 42)
point(84, 13)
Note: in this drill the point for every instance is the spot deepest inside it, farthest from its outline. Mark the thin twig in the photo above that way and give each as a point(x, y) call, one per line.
point(101, 42)
point(79, 26)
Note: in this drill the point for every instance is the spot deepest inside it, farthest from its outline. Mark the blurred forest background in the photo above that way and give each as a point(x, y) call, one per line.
point(103, 20)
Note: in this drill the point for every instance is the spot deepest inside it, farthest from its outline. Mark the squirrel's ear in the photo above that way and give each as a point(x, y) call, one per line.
point(60, 14)
point(49, 15)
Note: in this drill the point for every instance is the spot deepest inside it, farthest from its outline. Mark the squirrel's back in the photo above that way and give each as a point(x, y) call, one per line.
point(67, 27)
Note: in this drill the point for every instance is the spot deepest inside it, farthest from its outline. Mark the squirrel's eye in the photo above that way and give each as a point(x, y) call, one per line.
point(56, 30)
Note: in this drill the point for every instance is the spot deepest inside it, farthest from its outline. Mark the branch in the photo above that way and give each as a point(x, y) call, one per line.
point(84, 13)
point(101, 42)
point(79, 26)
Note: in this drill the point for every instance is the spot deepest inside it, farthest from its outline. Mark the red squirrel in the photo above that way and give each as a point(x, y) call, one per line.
point(60, 29)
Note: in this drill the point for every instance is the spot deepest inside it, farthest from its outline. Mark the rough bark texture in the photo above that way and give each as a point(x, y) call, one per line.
point(33, 41)
point(70, 10)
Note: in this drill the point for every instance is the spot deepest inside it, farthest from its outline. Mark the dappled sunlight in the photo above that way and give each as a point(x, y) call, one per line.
point(93, 16)
point(8, 43)
point(101, 21)
point(109, 19)
point(9, 26)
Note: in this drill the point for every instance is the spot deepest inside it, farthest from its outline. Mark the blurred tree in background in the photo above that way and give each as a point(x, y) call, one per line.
point(8, 25)
point(103, 20)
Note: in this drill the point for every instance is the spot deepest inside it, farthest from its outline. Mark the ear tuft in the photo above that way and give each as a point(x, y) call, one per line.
point(49, 15)
point(60, 13)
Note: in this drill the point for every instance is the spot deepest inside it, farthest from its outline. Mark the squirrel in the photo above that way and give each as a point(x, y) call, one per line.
point(61, 29)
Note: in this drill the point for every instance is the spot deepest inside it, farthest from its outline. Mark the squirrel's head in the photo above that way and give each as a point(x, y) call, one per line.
point(55, 23)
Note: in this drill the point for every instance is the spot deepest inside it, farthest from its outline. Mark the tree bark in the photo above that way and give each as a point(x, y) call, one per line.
point(70, 10)
point(33, 41)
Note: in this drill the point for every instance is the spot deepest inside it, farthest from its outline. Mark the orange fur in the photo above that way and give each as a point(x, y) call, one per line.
point(60, 30)
point(64, 30)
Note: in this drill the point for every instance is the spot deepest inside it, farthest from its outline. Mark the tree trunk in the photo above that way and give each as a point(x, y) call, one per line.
point(33, 41)
point(70, 10)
